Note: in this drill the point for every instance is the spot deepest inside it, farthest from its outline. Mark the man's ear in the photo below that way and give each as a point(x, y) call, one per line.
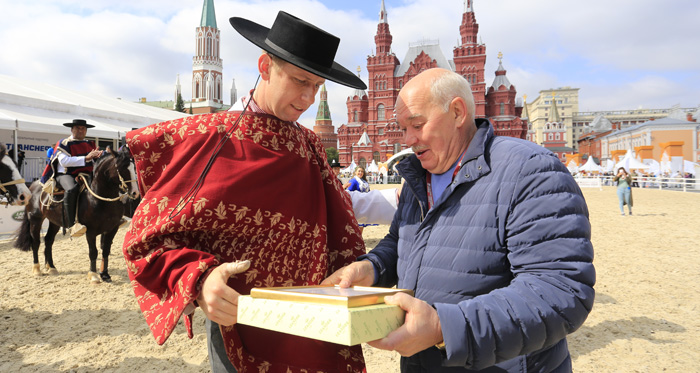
point(458, 108)
point(265, 66)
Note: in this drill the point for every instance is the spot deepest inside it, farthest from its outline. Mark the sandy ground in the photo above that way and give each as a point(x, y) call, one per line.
point(645, 317)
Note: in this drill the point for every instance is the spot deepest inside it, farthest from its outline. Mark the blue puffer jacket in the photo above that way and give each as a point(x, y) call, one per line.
point(504, 256)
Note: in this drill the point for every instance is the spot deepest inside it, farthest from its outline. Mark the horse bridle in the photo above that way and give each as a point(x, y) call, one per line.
point(123, 188)
point(6, 192)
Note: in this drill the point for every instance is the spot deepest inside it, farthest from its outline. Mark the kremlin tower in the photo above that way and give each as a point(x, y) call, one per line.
point(207, 65)
point(370, 134)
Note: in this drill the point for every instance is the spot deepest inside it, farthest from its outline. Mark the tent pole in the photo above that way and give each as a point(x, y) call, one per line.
point(15, 138)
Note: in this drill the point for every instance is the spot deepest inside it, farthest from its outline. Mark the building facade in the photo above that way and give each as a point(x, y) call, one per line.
point(653, 138)
point(369, 115)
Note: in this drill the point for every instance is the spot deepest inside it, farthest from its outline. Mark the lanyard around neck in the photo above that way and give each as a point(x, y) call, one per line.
point(429, 176)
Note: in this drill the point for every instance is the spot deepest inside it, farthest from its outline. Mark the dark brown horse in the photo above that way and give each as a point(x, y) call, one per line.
point(12, 185)
point(100, 209)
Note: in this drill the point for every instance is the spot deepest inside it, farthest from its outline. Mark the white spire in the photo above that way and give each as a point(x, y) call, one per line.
point(178, 90)
point(234, 92)
point(468, 6)
point(382, 14)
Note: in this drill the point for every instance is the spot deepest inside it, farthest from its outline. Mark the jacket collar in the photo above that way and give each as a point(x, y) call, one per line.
point(474, 164)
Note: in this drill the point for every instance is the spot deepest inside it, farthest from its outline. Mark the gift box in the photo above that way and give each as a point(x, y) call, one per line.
point(346, 320)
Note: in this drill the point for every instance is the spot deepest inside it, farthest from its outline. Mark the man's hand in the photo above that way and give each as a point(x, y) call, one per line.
point(420, 330)
point(95, 153)
point(218, 301)
point(358, 273)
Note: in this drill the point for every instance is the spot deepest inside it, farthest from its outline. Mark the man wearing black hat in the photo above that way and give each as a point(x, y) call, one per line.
point(211, 225)
point(75, 155)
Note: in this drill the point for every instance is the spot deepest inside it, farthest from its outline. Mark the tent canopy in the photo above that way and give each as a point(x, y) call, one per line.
point(591, 166)
point(630, 163)
point(372, 167)
point(397, 157)
point(350, 168)
point(39, 107)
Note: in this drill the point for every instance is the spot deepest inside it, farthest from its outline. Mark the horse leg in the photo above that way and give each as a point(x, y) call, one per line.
point(48, 248)
point(35, 233)
point(92, 274)
point(106, 244)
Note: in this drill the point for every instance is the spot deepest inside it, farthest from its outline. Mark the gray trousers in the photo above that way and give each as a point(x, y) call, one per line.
point(215, 348)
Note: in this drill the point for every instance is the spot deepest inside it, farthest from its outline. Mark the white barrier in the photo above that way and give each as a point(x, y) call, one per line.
point(589, 183)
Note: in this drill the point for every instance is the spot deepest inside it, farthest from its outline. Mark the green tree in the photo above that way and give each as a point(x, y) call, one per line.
point(332, 154)
point(180, 105)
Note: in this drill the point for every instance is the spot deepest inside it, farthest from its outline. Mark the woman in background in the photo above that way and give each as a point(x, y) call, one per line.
point(624, 190)
point(359, 182)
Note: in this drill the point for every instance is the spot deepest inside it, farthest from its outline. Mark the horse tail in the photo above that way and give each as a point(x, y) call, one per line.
point(23, 236)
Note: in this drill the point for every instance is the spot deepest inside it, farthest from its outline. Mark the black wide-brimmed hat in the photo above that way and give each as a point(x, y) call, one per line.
point(301, 44)
point(78, 122)
point(335, 163)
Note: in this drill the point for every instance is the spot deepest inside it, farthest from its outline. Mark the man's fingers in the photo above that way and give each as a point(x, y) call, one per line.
point(230, 269)
point(400, 299)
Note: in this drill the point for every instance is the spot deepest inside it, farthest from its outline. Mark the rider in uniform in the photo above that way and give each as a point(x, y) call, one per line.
point(75, 155)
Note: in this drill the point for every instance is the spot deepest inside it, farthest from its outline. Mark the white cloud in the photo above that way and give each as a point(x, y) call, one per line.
point(621, 54)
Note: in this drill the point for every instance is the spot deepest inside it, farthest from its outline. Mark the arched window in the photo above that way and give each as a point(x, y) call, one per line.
point(397, 148)
point(503, 109)
point(380, 112)
point(354, 116)
point(375, 155)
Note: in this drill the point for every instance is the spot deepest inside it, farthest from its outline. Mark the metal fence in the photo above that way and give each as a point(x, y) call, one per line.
point(32, 168)
point(667, 183)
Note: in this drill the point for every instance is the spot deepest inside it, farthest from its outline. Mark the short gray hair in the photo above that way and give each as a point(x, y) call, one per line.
point(449, 86)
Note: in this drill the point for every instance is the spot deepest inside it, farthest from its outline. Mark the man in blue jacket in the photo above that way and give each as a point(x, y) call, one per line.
point(491, 233)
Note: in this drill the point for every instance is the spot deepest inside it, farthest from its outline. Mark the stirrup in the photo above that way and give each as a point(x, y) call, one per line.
point(77, 230)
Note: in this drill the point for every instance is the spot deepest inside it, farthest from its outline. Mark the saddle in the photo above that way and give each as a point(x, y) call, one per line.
point(53, 189)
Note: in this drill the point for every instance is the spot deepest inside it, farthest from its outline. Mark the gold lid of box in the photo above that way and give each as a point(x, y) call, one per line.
point(356, 296)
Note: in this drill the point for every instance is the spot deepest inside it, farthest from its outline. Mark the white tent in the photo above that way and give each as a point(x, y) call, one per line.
point(630, 163)
point(609, 165)
point(654, 167)
point(397, 157)
point(591, 166)
point(372, 167)
point(350, 168)
point(42, 108)
point(689, 166)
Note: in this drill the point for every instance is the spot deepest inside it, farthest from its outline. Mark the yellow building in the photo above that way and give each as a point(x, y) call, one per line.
point(578, 123)
point(538, 113)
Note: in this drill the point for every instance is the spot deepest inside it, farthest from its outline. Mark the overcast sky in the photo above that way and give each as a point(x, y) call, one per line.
point(621, 54)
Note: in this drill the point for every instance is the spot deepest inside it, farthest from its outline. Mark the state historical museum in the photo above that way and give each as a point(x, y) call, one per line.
point(371, 135)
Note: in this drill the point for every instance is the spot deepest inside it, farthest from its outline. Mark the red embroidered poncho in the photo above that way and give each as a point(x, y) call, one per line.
point(270, 197)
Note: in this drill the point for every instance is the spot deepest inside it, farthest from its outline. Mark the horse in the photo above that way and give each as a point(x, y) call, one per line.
point(100, 209)
point(12, 185)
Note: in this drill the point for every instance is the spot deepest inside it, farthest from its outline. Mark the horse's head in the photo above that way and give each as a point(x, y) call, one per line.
point(119, 168)
point(125, 164)
point(11, 182)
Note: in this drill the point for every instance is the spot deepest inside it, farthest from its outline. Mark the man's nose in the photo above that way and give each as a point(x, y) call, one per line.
point(308, 94)
point(410, 138)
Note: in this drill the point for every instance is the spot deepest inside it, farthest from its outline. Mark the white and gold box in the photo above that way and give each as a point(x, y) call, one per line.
point(344, 316)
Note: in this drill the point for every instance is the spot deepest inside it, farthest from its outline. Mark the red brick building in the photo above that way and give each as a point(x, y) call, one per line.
point(369, 113)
